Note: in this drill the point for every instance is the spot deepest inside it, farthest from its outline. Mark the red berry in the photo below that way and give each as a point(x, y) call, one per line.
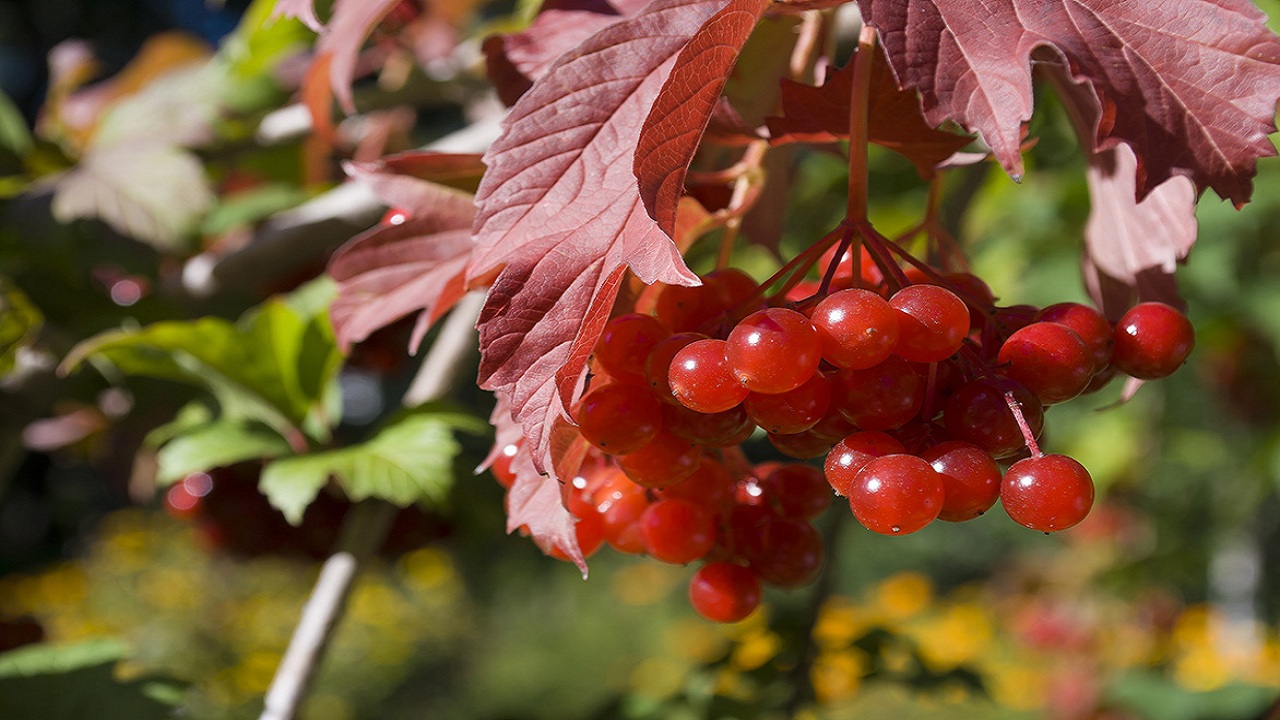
point(857, 328)
point(1152, 341)
point(657, 367)
point(979, 414)
point(849, 456)
point(1047, 493)
point(970, 479)
point(626, 342)
point(688, 308)
point(722, 430)
point(896, 494)
point(792, 411)
point(797, 491)
point(773, 350)
point(788, 552)
point(663, 462)
point(932, 322)
point(700, 378)
point(677, 531)
point(879, 398)
point(619, 418)
point(1051, 360)
point(1088, 323)
point(724, 592)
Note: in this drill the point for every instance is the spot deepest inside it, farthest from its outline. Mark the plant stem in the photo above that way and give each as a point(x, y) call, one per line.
point(862, 59)
point(738, 203)
point(1015, 407)
point(364, 529)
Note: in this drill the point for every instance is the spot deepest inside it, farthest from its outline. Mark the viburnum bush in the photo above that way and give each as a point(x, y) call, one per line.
point(641, 132)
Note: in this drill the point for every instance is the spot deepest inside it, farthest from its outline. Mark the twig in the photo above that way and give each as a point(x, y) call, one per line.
point(364, 529)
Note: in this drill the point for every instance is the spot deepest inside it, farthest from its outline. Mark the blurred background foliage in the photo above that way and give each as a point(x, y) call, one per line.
point(1164, 604)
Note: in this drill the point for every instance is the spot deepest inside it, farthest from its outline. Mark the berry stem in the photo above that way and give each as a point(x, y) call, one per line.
point(846, 245)
point(862, 59)
point(740, 202)
point(1016, 408)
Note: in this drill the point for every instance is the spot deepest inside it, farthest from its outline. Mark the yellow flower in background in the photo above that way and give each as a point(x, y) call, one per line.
point(903, 595)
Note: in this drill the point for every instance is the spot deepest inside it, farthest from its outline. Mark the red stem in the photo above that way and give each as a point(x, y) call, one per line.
point(1016, 408)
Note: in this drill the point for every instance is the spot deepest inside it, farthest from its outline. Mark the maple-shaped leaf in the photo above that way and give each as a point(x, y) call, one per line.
point(1190, 85)
point(1133, 248)
point(536, 501)
point(560, 217)
point(461, 171)
point(821, 114)
point(513, 61)
point(391, 271)
point(688, 99)
point(345, 34)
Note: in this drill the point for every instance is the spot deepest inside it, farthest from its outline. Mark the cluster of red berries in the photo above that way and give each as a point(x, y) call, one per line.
point(912, 384)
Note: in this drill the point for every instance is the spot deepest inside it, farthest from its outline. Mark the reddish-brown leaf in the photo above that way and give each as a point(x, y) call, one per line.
point(560, 215)
point(515, 60)
point(821, 114)
point(391, 271)
point(1134, 247)
point(1190, 85)
point(536, 502)
point(456, 170)
point(688, 99)
point(351, 23)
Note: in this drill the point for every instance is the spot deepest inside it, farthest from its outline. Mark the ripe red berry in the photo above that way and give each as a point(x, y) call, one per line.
point(849, 456)
point(626, 342)
point(1047, 493)
point(879, 398)
point(857, 328)
point(896, 494)
point(932, 322)
point(677, 531)
point(1152, 341)
point(773, 350)
point(657, 367)
point(979, 414)
point(724, 592)
point(787, 552)
point(1088, 323)
point(619, 418)
point(792, 411)
point(700, 378)
point(970, 479)
point(663, 462)
point(797, 491)
point(1051, 360)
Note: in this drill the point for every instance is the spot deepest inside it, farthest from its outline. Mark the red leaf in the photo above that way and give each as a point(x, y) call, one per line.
point(688, 99)
point(514, 61)
point(1134, 247)
point(536, 502)
point(351, 23)
point(304, 10)
point(821, 114)
point(1160, 71)
point(559, 213)
point(393, 270)
point(457, 170)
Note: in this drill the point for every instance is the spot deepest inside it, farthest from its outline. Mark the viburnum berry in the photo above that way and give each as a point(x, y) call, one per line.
point(1152, 340)
point(773, 350)
point(662, 462)
point(797, 491)
point(857, 328)
point(849, 456)
point(792, 411)
point(677, 531)
point(1047, 493)
point(896, 494)
point(724, 592)
point(879, 398)
point(970, 479)
point(1049, 359)
point(1088, 323)
point(788, 552)
point(626, 342)
point(657, 367)
point(720, 430)
point(701, 379)
point(619, 418)
point(978, 413)
point(932, 322)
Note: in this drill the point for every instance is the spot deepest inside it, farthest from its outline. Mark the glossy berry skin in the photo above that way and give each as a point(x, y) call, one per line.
point(793, 411)
point(787, 552)
point(724, 592)
point(722, 430)
point(662, 462)
point(1152, 341)
point(700, 378)
point(657, 367)
point(797, 491)
point(932, 322)
point(879, 398)
point(1050, 359)
point(979, 414)
point(688, 308)
point(857, 328)
point(626, 342)
point(677, 531)
point(849, 456)
point(1088, 323)
point(1047, 493)
point(619, 418)
point(896, 494)
point(970, 479)
point(773, 350)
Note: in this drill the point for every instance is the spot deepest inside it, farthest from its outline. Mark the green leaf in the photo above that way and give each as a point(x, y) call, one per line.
point(15, 138)
point(277, 365)
point(251, 206)
point(408, 461)
point(1154, 695)
point(78, 681)
point(217, 444)
point(261, 41)
point(151, 191)
point(19, 323)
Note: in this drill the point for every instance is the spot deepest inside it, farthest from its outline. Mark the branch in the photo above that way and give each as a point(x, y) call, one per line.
point(365, 527)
